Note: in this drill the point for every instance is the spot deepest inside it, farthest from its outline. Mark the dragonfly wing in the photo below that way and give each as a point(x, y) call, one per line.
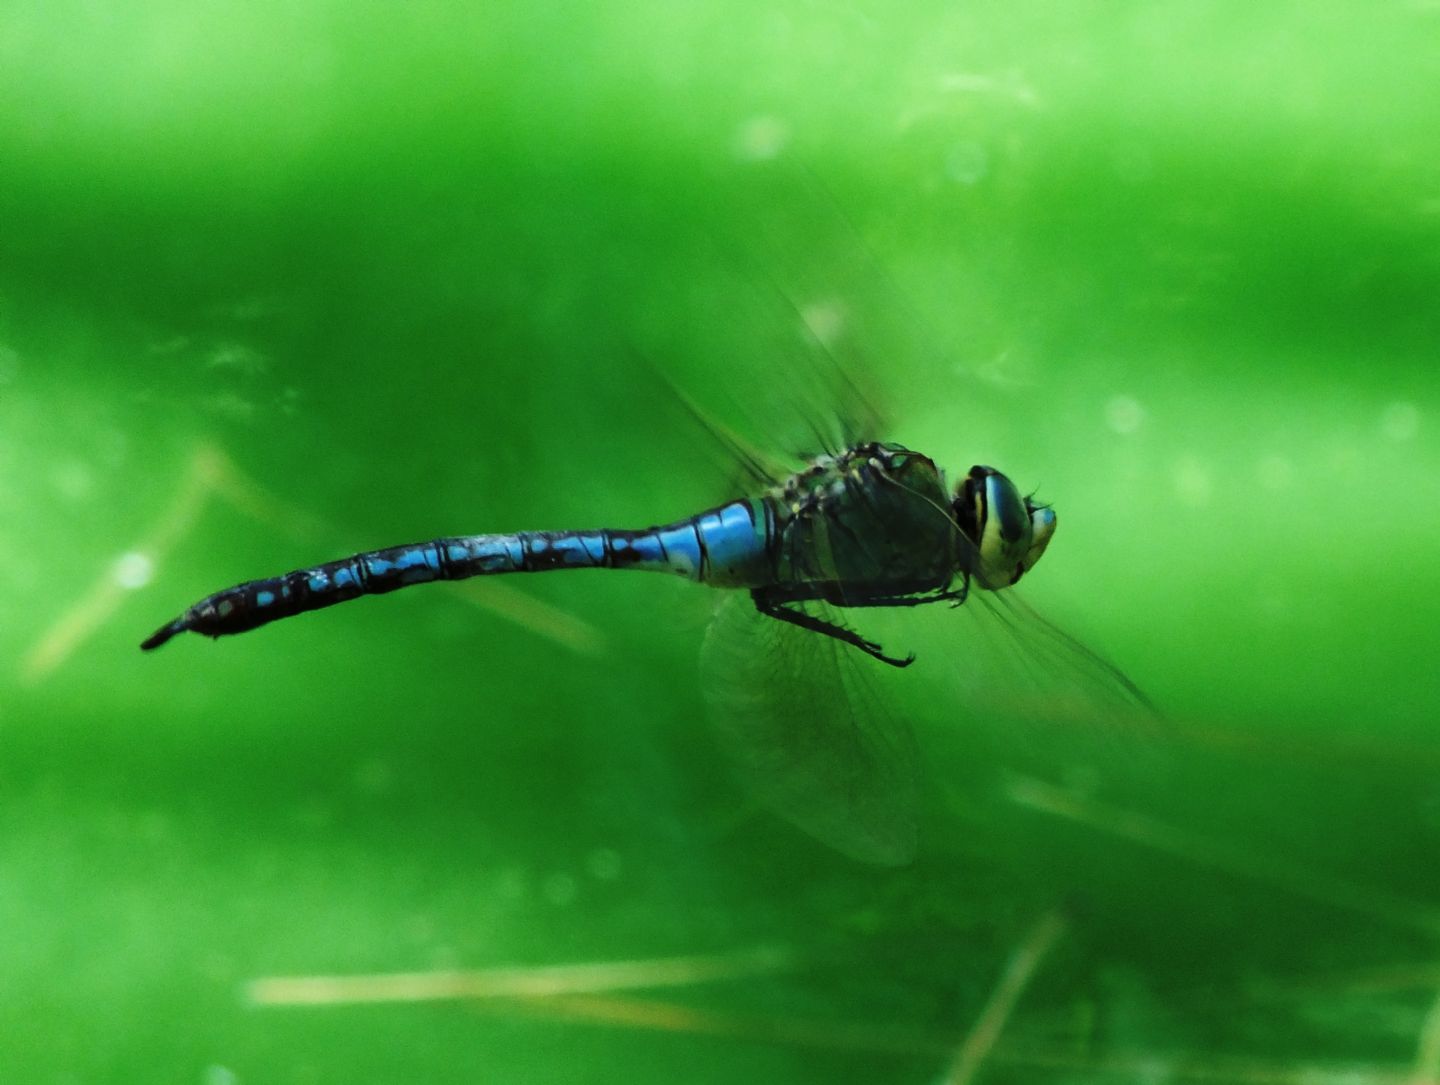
point(1011, 658)
point(800, 714)
point(1003, 690)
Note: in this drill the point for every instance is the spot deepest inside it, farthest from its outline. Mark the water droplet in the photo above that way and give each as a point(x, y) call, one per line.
point(314, 816)
point(760, 139)
point(72, 480)
point(220, 1075)
point(1276, 473)
point(1193, 484)
point(512, 884)
point(238, 358)
point(967, 163)
point(559, 889)
point(153, 827)
point(1132, 164)
point(9, 363)
point(604, 864)
point(373, 777)
point(420, 928)
point(1124, 414)
point(133, 570)
point(1400, 421)
point(231, 407)
point(825, 320)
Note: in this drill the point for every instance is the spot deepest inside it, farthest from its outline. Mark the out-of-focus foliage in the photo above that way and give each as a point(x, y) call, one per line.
point(280, 281)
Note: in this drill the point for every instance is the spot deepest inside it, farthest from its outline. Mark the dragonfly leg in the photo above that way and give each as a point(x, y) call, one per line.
point(956, 597)
point(960, 594)
point(773, 609)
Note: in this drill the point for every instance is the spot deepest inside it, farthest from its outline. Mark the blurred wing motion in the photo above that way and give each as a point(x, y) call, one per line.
point(801, 717)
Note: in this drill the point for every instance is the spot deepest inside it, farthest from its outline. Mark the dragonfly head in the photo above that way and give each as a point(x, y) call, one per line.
point(1005, 532)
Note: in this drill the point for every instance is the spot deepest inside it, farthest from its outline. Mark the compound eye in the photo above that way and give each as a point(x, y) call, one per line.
point(1004, 529)
point(1042, 528)
point(1007, 532)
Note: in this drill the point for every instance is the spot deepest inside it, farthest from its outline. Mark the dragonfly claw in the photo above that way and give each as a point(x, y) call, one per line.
point(870, 648)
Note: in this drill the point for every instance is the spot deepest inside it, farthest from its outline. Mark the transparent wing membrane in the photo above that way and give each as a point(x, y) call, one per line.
point(801, 716)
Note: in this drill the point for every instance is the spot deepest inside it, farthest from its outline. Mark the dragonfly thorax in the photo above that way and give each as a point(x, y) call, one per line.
point(872, 520)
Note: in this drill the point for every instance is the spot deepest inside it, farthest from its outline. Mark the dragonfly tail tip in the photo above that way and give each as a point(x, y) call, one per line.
point(161, 635)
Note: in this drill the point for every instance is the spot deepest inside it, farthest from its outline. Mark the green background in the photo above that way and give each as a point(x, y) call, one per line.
point(282, 281)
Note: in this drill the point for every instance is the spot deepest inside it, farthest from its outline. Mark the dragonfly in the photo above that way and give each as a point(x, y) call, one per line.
point(866, 524)
point(871, 526)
